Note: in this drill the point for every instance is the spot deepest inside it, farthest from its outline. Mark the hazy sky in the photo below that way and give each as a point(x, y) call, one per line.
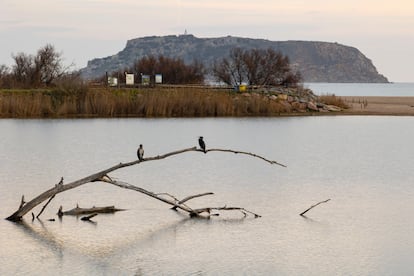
point(86, 29)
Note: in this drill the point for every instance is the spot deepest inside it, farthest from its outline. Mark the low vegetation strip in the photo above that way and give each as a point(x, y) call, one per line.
point(151, 102)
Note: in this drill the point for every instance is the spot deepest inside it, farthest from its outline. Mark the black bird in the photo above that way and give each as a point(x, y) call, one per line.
point(140, 153)
point(202, 144)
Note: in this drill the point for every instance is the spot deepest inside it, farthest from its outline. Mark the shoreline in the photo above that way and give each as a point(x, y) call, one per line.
point(379, 105)
point(192, 102)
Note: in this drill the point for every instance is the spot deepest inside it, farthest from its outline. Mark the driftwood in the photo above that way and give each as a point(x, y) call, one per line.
point(313, 206)
point(77, 211)
point(88, 218)
point(102, 176)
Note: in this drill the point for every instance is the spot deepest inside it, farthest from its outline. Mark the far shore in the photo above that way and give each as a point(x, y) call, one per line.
point(375, 105)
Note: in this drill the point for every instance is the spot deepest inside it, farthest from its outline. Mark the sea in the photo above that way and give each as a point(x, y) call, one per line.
point(362, 164)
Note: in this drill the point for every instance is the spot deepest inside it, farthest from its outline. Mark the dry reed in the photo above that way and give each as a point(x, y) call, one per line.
point(147, 102)
point(333, 100)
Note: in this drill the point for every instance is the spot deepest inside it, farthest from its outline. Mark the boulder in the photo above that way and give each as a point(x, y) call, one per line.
point(332, 108)
point(286, 106)
point(312, 106)
point(282, 97)
point(300, 107)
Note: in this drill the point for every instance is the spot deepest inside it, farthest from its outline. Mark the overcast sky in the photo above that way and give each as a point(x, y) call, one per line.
point(87, 29)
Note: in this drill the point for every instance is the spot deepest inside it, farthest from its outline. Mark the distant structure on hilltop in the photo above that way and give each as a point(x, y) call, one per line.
point(317, 61)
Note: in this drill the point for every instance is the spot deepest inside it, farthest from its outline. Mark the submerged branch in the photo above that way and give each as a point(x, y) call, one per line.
point(313, 206)
point(88, 218)
point(225, 208)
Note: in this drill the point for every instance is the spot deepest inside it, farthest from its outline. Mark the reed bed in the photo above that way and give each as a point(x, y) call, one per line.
point(333, 100)
point(148, 102)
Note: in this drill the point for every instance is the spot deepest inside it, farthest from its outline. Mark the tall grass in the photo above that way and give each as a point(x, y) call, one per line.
point(150, 102)
point(333, 100)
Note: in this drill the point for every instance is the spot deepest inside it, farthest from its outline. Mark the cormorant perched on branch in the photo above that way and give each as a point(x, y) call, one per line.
point(140, 153)
point(202, 144)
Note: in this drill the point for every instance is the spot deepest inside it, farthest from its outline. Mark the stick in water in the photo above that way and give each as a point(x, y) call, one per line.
point(313, 206)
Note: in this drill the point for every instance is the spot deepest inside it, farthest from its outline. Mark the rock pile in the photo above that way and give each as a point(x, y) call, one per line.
point(294, 99)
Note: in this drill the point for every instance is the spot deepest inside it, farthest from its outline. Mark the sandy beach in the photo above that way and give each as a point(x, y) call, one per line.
point(373, 105)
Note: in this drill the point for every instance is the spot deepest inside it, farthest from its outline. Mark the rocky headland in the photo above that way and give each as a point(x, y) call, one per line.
point(317, 61)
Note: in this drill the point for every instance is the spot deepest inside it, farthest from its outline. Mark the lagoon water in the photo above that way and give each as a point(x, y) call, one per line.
point(363, 164)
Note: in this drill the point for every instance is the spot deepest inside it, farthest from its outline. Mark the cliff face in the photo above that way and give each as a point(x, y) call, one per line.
point(317, 61)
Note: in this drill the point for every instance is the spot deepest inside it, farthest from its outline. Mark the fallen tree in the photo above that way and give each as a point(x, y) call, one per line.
point(103, 176)
point(77, 211)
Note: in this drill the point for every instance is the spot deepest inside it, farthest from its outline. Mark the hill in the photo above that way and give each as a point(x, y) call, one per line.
point(317, 61)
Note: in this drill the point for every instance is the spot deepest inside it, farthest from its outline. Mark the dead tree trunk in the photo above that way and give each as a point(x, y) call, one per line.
point(77, 211)
point(25, 207)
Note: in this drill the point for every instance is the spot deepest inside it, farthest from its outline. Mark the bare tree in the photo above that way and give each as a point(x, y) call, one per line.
point(254, 67)
point(5, 76)
point(39, 70)
point(173, 70)
point(23, 68)
point(221, 71)
point(48, 65)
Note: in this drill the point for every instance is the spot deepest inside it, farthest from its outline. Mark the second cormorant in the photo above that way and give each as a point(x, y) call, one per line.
point(202, 144)
point(140, 153)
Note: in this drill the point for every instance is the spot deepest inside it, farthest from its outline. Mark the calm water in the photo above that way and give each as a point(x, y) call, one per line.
point(364, 164)
point(363, 89)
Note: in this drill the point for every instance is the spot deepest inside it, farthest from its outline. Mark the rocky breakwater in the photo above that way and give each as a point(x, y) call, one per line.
point(294, 99)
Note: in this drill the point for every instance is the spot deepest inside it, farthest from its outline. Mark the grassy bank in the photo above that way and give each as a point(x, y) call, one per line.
point(147, 102)
point(165, 102)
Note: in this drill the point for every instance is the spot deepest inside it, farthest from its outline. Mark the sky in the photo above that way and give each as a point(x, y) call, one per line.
point(85, 29)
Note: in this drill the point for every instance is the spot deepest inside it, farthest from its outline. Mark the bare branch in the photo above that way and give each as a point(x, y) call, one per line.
point(313, 206)
point(44, 207)
point(194, 196)
point(191, 197)
point(148, 193)
point(22, 202)
point(249, 153)
point(225, 208)
point(180, 205)
point(103, 176)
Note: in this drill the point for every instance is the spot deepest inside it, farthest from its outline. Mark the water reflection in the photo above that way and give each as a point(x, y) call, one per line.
point(363, 163)
point(42, 236)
